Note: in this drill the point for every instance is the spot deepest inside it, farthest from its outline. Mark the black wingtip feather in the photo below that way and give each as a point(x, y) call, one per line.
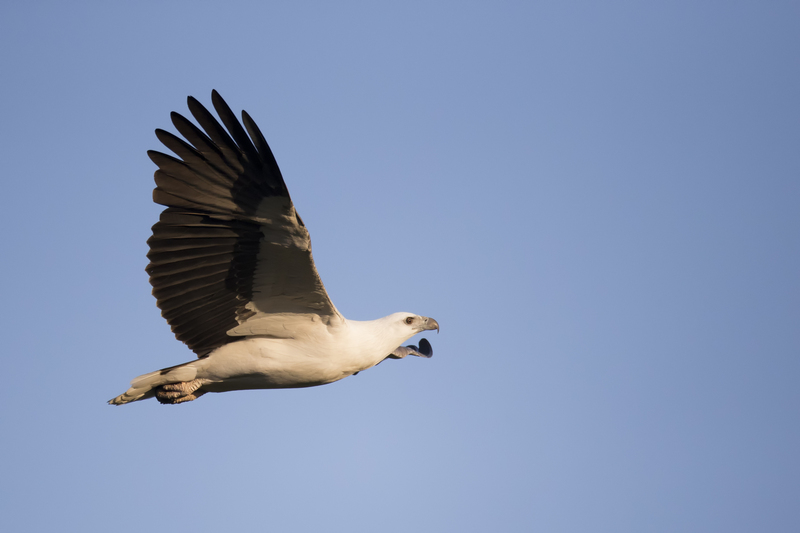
point(235, 128)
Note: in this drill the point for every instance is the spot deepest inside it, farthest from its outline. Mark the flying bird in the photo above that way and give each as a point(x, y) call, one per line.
point(232, 272)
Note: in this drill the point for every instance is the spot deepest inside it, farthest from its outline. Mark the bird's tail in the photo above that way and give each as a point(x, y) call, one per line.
point(147, 385)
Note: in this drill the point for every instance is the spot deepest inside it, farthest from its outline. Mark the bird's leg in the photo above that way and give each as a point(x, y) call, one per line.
point(183, 391)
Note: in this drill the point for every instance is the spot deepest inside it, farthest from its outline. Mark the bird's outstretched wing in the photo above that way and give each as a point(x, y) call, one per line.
point(230, 246)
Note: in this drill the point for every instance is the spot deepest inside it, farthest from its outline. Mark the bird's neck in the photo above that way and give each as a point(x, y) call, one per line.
point(373, 340)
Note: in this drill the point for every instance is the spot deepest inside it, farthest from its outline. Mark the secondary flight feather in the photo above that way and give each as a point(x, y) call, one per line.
point(232, 272)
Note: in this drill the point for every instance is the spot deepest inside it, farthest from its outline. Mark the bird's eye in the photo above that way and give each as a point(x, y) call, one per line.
point(409, 320)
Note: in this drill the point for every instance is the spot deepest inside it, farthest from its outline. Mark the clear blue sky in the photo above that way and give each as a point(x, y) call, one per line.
point(598, 201)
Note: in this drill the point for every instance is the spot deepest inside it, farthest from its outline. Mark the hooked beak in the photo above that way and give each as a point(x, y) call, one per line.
point(430, 323)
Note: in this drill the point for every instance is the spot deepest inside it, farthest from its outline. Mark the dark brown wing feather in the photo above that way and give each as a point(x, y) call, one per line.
point(230, 245)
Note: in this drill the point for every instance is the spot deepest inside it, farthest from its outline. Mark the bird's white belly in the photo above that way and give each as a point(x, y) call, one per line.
point(266, 363)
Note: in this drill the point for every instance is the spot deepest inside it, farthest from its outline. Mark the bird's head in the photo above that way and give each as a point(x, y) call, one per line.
point(418, 323)
point(391, 331)
point(407, 325)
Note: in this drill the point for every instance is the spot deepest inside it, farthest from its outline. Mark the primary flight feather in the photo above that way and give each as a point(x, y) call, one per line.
point(232, 272)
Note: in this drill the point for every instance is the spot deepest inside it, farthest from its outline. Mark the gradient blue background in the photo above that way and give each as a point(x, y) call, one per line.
point(597, 201)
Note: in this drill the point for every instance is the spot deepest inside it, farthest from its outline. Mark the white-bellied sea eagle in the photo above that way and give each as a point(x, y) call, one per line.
point(232, 272)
